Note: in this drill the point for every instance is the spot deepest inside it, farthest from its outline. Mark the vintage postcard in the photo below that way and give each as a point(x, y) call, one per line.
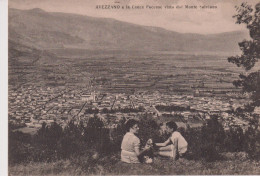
point(133, 87)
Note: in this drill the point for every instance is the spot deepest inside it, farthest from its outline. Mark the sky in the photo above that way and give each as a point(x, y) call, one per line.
point(203, 21)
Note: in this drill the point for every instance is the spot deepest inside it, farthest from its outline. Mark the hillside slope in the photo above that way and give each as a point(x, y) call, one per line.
point(43, 29)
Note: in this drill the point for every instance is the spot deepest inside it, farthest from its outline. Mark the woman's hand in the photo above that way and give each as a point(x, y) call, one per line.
point(149, 144)
point(147, 147)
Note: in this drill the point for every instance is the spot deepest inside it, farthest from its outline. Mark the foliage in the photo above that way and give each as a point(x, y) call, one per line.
point(194, 138)
point(170, 108)
point(19, 147)
point(208, 142)
point(149, 129)
point(123, 110)
point(96, 136)
point(252, 141)
point(93, 140)
point(45, 142)
point(117, 134)
point(91, 111)
point(72, 140)
point(249, 82)
point(52, 142)
point(235, 140)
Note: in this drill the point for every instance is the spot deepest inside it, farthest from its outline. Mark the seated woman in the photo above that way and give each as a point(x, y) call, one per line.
point(131, 143)
point(175, 145)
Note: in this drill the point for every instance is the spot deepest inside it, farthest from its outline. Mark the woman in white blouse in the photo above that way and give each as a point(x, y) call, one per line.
point(131, 143)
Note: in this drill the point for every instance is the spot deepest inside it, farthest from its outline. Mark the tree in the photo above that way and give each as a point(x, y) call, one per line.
point(249, 82)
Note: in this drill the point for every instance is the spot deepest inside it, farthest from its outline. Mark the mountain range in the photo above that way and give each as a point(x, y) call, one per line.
point(50, 30)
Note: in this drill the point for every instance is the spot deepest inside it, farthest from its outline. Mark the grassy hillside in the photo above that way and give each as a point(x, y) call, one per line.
point(113, 166)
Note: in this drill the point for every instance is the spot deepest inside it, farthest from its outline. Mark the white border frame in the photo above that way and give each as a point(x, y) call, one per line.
point(4, 87)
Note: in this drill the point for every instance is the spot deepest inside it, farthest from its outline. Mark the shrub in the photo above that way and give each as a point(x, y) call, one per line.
point(148, 129)
point(19, 147)
point(45, 143)
point(72, 140)
point(116, 135)
point(252, 143)
point(96, 136)
point(194, 138)
point(94, 140)
point(235, 140)
point(212, 139)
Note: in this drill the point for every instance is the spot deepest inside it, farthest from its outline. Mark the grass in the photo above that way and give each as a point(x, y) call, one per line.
point(111, 165)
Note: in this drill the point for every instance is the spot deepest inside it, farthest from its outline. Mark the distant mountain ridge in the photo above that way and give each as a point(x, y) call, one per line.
point(49, 30)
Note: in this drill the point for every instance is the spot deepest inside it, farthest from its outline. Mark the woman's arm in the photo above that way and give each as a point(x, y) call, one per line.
point(163, 144)
point(137, 147)
point(138, 152)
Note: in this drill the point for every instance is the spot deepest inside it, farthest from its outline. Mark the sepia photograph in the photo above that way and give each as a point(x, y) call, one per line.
point(133, 87)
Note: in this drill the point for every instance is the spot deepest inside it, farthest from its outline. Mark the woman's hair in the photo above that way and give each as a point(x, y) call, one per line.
point(172, 125)
point(130, 123)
